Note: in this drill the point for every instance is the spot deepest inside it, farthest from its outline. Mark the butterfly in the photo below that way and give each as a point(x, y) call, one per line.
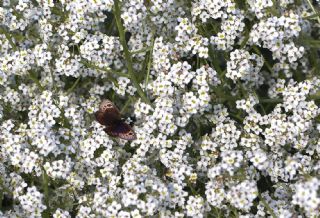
point(109, 116)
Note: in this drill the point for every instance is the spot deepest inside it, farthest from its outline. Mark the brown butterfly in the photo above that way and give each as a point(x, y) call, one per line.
point(109, 116)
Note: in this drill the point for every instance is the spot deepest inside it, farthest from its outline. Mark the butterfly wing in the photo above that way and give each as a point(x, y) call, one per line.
point(100, 117)
point(109, 116)
point(107, 106)
point(108, 113)
point(121, 130)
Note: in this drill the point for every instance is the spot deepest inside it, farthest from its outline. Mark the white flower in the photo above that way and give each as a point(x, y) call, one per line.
point(306, 195)
point(242, 195)
point(195, 206)
point(31, 202)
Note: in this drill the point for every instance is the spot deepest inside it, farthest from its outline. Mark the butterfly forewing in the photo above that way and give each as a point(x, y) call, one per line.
point(109, 116)
point(100, 117)
point(108, 113)
point(107, 105)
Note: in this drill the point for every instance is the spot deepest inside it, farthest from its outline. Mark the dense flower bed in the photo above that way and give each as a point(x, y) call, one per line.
point(223, 96)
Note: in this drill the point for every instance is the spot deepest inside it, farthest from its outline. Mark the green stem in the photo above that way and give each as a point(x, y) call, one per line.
point(45, 185)
point(256, 49)
point(274, 9)
point(245, 40)
point(313, 9)
point(1, 199)
point(193, 191)
point(73, 86)
point(127, 52)
point(149, 63)
point(110, 26)
point(314, 97)
point(266, 205)
point(235, 212)
point(311, 16)
point(198, 62)
point(93, 66)
point(279, 100)
point(270, 100)
point(34, 79)
point(311, 43)
point(2, 190)
point(125, 106)
point(214, 59)
point(236, 117)
point(217, 212)
point(115, 82)
point(142, 50)
point(9, 38)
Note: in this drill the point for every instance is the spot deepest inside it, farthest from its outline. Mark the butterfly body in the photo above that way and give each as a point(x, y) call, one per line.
point(109, 116)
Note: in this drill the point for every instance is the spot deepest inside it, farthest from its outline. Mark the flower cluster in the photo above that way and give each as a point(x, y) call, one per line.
point(277, 35)
point(244, 66)
point(231, 21)
point(223, 97)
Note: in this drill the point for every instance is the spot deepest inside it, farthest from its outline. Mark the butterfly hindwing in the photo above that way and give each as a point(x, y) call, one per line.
point(121, 130)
